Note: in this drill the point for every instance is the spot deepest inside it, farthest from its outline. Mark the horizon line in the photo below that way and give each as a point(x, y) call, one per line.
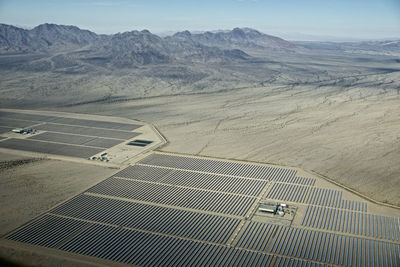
point(165, 33)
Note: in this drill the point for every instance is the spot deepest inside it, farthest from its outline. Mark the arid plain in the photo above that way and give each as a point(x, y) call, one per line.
point(346, 128)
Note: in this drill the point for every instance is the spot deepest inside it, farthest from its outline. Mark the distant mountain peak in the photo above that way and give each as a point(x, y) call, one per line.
point(238, 33)
point(44, 37)
point(185, 34)
point(237, 38)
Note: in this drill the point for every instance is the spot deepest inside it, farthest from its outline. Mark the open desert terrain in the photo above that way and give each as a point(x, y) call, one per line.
point(344, 127)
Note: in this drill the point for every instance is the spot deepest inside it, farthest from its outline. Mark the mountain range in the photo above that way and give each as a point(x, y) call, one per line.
point(238, 38)
point(135, 48)
point(65, 64)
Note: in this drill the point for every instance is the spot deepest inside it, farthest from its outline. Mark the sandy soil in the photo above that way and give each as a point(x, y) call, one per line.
point(350, 135)
point(30, 187)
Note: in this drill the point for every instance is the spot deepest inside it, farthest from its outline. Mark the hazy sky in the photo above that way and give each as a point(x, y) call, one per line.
point(341, 18)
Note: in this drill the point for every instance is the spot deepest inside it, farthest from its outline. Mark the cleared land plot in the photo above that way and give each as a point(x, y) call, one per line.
point(51, 127)
point(50, 148)
point(147, 217)
point(220, 167)
point(99, 124)
point(28, 117)
point(76, 139)
point(345, 221)
point(175, 196)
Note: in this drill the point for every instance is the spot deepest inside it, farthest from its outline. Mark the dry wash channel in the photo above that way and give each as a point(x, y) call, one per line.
point(169, 209)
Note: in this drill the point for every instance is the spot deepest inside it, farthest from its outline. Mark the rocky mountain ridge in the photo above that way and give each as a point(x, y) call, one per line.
point(238, 38)
point(134, 48)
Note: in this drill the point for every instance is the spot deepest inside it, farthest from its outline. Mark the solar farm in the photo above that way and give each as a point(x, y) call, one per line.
point(75, 137)
point(163, 209)
point(167, 209)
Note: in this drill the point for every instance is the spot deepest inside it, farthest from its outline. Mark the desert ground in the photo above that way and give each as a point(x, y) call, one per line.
point(32, 185)
point(349, 134)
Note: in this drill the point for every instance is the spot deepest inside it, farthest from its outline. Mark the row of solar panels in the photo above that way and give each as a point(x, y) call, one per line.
point(144, 248)
point(313, 195)
point(358, 223)
point(318, 246)
point(6, 118)
point(64, 136)
point(219, 167)
point(223, 183)
point(139, 248)
point(200, 226)
point(191, 198)
point(247, 170)
point(148, 233)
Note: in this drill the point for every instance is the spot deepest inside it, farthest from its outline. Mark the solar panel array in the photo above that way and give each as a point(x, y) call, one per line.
point(313, 195)
point(288, 192)
point(98, 124)
point(64, 136)
point(334, 249)
point(26, 117)
point(318, 246)
point(171, 214)
point(88, 131)
point(50, 148)
point(143, 248)
point(353, 205)
point(191, 198)
point(69, 121)
point(220, 167)
point(145, 173)
point(13, 123)
point(147, 249)
point(256, 236)
point(221, 183)
point(76, 139)
point(358, 223)
point(176, 222)
point(47, 231)
point(4, 129)
point(325, 197)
